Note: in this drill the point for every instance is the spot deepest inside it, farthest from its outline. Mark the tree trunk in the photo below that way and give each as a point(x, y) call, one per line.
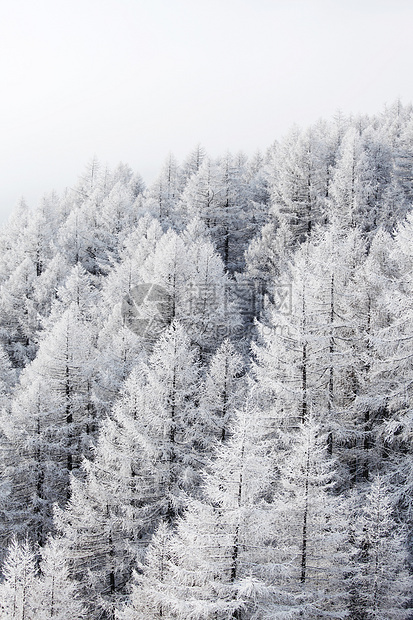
point(304, 407)
point(331, 371)
point(235, 549)
point(305, 518)
point(69, 415)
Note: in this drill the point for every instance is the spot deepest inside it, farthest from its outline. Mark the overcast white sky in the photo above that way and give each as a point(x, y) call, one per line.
point(131, 80)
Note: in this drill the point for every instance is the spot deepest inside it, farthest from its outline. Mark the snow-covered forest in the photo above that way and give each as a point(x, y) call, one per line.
point(206, 386)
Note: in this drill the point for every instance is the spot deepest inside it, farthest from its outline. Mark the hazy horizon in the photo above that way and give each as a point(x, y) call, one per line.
point(132, 81)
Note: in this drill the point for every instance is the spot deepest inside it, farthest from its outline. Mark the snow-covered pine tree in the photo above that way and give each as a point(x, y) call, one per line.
point(219, 561)
point(374, 281)
point(392, 367)
point(197, 290)
point(336, 326)
point(299, 179)
point(310, 525)
point(222, 393)
point(309, 352)
point(104, 209)
point(219, 194)
point(56, 594)
point(361, 177)
point(147, 458)
point(50, 426)
point(282, 353)
point(18, 588)
point(118, 349)
point(162, 197)
point(12, 239)
point(149, 585)
point(19, 320)
point(192, 164)
point(78, 290)
point(379, 581)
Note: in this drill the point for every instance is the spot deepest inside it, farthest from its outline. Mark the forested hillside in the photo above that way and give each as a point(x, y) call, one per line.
point(206, 386)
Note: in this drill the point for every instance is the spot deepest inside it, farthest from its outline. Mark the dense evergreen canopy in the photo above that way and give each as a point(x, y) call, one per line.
point(206, 386)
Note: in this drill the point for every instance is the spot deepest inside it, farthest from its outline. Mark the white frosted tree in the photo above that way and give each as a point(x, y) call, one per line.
point(169, 428)
point(31, 462)
point(402, 162)
point(379, 578)
point(282, 354)
point(50, 426)
point(123, 276)
point(378, 211)
point(79, 290)
point(235, 213)
point(19, 320)
point(222, 392)
point(200, 197)
point(267, 258)
point(47, 285)
point(118, 349)
point(192, 164)
point(7, 379)
point(312, 345)
point(76, 241)
point(219, 194)
point(336, 330)
point(197, 290)
point(299, 181)
point(219, 563)
point(55, 593)
point(392, 369)
point(118, 215)
point(149, 585)
point(104, 209)
point(310, 525)
point(374, 282)
point(362, 191)
point(17, 591)
point(146, 460)
point(163, 195)
point(12, 239)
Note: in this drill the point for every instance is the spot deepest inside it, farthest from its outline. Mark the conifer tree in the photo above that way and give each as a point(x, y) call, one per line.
point(19, 320)
point(222, 392)
point(12, 239)
point(311, 524)
point(147, 457)
point(299, 182)
point(123, 276)
point(50, 426)
point(197, 290)
point(219, 195)
point(192, 164)
point(47, 286)
point(150, 585)
point(219, 562)
point(380, 582)
point(118, 349)
point(17, 591)
point(56, 595)
point(7, 380)
point(164, 194)
point(391, 368)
